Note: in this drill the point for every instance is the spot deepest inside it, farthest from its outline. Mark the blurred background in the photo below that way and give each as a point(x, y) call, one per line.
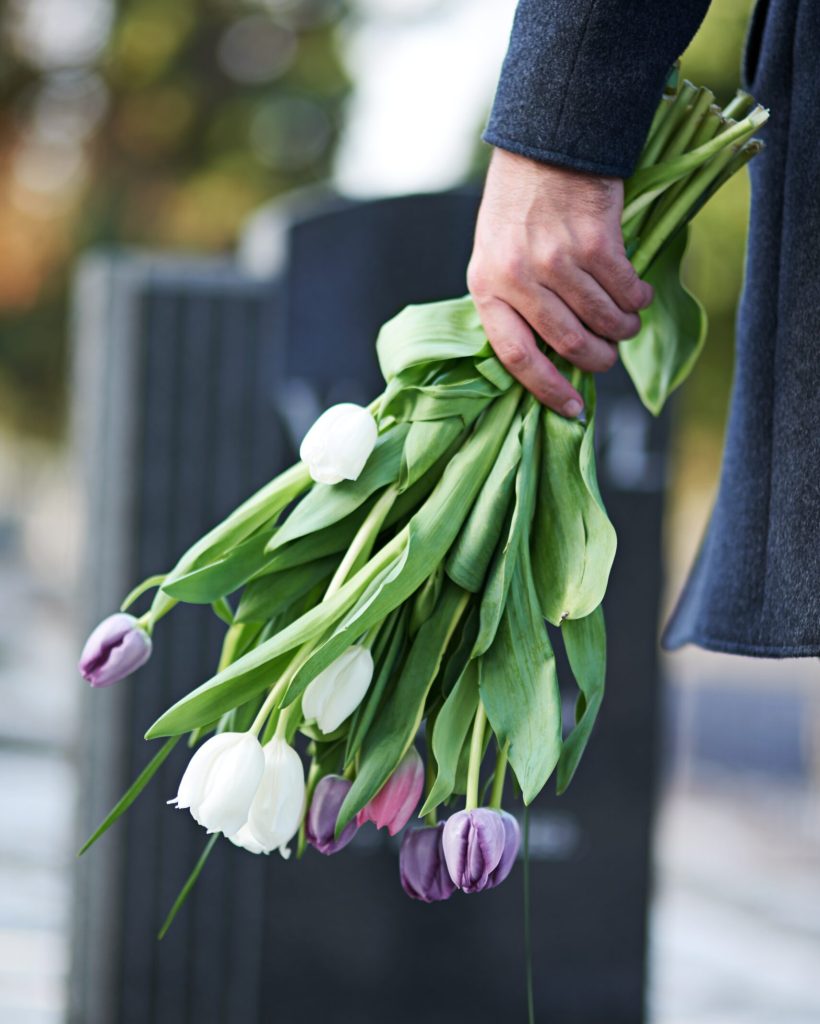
point(166, 125)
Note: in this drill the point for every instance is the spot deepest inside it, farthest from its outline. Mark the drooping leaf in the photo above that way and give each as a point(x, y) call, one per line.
point(470, 557)
point(189, 884)
point(573, 541)
point(133, 791)
point(392, 732)
point(427, 441)
point(450, 732)
point(507, 552)
point(673, 331)
point(268, 595)
point(519, 686)
point(430, 333)
point(585, 643)
point(260, 508)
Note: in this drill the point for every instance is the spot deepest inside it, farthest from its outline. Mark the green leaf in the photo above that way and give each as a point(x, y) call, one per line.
point(139, 590)
point(428, 442)
point(326, 504)
point(393, 730)
point(506, 556)
point(260, 508)
point(430, 333)
point(519, 686)
point(585, 643)
point(673, 331)
point(429, 534)
point(450, 733)
point(131, 794)
point(221, 577)
point(470, 557)
point(494, 372)
point(573, 542)
point(331, 540)
point(223, 610)
point(189, 884)
point(269, 595)
point(386, 662)
point(460, 392)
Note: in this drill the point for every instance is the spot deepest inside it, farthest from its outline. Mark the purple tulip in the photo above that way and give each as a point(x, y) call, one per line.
point(423, 872)
point(512, 840)
point(320, 823)
point(393, 805)
point(116, 648)
point(473, 843)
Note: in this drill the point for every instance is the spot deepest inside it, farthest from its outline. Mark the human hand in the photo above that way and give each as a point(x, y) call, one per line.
point(549, 257)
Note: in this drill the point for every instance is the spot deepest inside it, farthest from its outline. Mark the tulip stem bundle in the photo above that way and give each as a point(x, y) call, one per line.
point(398, 579)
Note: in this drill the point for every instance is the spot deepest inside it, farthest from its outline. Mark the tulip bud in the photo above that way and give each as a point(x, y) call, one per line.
point(320, 826)
point(221, 780)
point(339, 443)
point(338, 690)
point(276, 811)
point(395, 802)
point(422, 868)
point(473, 843)
point(512, 840)
point(115, 649)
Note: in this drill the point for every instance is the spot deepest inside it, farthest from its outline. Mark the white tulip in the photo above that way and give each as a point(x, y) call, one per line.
point(339, 689)
point(339, 443)
point(221, 780)
point(277, 808)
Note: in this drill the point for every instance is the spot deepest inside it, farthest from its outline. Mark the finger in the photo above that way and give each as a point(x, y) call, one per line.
point(512, 340)
point(591, 304)
point(561, 329)
point(616, 275)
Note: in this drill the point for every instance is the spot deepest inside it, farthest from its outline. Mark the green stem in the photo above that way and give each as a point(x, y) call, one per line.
point(655, 145)
point(314, 775)
point(680, 141)
point(476, 756)
point(528, 921)
point(497, 792)
point(431, 818)
point(739, 106)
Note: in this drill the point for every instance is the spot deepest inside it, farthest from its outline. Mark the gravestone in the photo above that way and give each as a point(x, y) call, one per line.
point(193, 378)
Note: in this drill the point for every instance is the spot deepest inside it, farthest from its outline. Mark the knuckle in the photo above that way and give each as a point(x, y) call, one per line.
point(609, 358)
point(592, 243)
point(512, 266)
point(478, 280)
point(571, 345)
point(552, 261)
point(515, 356)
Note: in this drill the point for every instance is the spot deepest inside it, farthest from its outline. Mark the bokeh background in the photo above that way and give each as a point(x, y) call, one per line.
point(164, 125)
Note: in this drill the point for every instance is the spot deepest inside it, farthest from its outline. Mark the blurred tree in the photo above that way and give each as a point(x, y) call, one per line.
point(143, 121)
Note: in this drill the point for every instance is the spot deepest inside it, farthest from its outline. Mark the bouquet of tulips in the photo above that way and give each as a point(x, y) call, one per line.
point(396, 581)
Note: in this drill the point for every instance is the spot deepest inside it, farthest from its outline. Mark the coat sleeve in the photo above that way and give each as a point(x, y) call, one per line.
point(582, 79)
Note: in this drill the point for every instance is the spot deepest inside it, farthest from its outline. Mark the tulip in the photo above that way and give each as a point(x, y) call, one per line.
point(512, 840)
point(116, 648)
point(338, 690)
point(276, 811)
point(245, 839)
point(473, 843)
point(422, 868)
point(339, 443)
point(221, 781)
point(320, 826)
point(395, 802)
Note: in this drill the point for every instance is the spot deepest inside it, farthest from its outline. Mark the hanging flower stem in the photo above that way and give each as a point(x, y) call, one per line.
point(476, 757)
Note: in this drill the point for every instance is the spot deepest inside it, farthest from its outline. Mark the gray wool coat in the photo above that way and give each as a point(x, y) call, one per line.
point(578, 88)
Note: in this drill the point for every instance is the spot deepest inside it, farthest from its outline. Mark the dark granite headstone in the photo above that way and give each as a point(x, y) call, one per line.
point(191, 378)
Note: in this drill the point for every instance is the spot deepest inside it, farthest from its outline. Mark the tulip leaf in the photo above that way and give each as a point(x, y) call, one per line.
point(585, 643)
point(519, 686)
point(189, 884)
point(497, 585)
point(460, 392)
point(573, 541)
point(393, 730)
point(208, 583)
point(673, 331)
point(427, 441)
point(131, 794)
point(450, 731)
point(326, 504)
point(269, 595)
point(470, 557)
point(250, 516)
point(330, 540)
point(386, 662)
point(430, 533)
point(430, 333)
point(492, 369)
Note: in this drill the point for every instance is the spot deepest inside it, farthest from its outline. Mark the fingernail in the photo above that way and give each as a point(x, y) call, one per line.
point(573, 408)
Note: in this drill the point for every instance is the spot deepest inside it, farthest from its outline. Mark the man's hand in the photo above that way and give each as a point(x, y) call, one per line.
point(549, 257)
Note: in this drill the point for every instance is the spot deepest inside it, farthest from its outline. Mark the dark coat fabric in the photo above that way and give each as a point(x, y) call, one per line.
point(578, 88)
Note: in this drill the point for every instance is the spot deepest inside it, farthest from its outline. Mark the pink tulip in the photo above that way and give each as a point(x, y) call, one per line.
point(393, 805)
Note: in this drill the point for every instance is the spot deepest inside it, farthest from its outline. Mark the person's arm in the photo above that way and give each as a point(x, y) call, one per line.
point(578, 89)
